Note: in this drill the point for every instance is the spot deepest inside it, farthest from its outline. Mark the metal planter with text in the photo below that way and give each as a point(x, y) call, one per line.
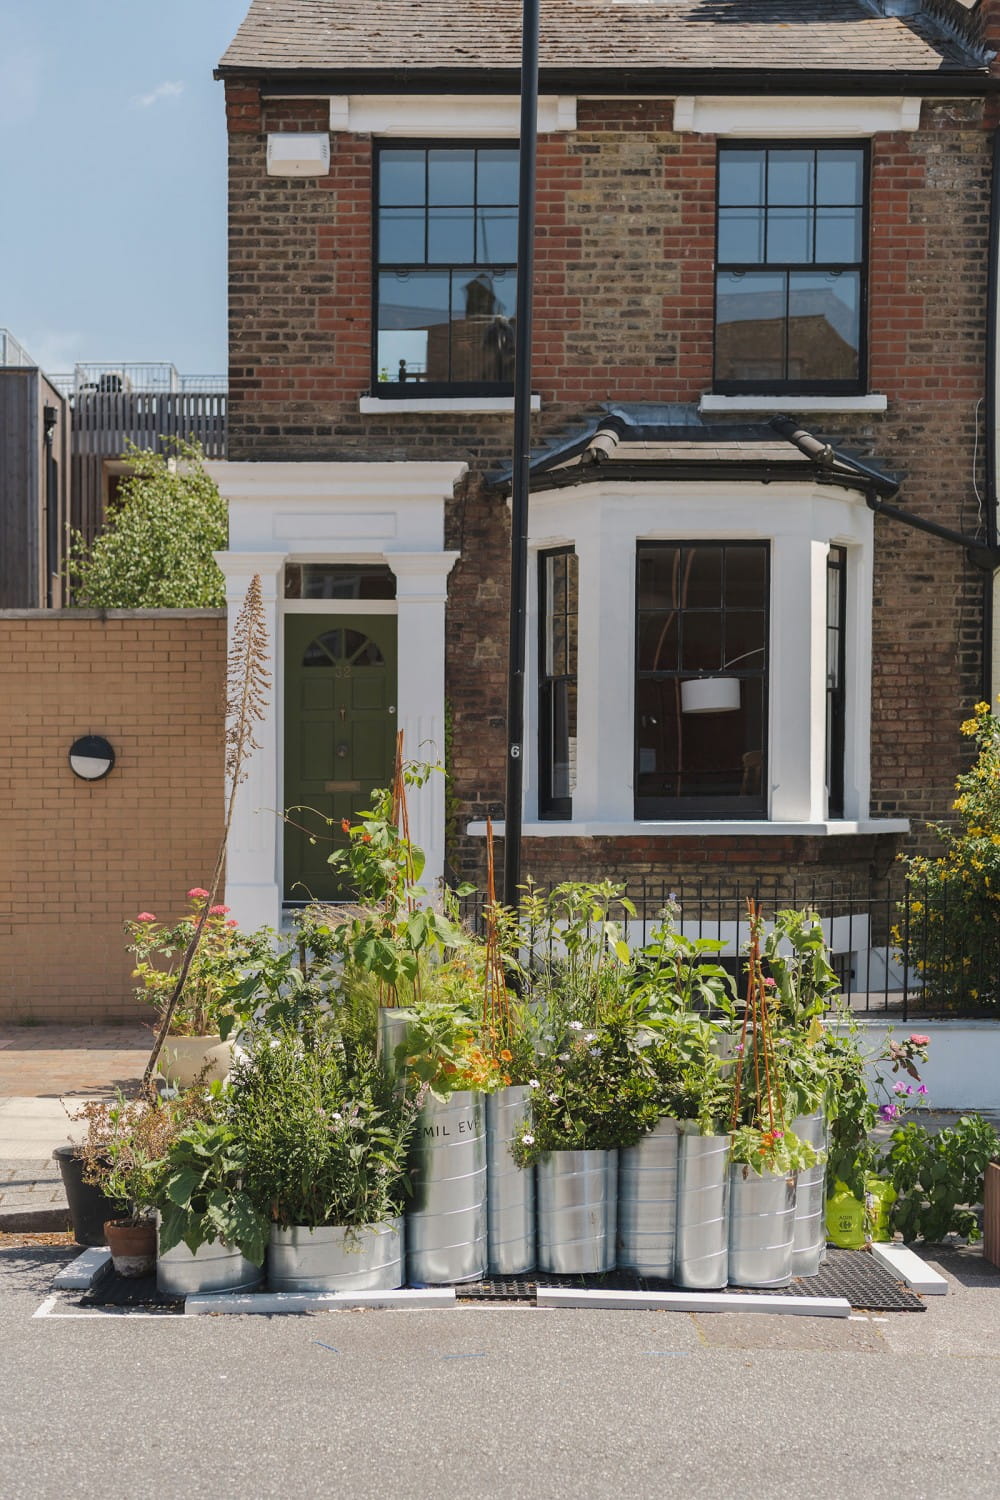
point(809, 1251)
point(510, 1188)
point(761, 1227)
point(337, 1258)
point(701, 1253)
point(577, 1212)
point(647, 1202)
point(446, 1222)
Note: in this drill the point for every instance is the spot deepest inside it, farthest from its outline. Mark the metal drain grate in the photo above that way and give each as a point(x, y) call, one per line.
point(852, 1274)
point(848, 1273)
point(130, 1291)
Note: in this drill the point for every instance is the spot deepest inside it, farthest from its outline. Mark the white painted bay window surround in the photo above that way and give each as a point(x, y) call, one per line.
point(607, 524)
point(389, 514)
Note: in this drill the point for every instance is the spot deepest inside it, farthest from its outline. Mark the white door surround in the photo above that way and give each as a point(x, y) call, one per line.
point(390, 513)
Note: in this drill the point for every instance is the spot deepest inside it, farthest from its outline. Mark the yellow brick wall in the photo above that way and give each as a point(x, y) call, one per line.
point(77, 858)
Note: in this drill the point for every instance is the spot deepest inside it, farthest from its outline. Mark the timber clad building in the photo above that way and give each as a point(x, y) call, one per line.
point(744, 210)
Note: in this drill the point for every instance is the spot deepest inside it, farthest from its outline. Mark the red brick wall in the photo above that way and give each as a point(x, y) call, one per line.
point(77, 858)
point(624, 311)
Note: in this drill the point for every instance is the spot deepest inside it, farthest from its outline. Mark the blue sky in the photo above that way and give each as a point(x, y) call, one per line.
point(112, 180)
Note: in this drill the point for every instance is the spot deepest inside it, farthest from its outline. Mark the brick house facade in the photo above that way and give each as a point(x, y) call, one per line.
point(335, 465)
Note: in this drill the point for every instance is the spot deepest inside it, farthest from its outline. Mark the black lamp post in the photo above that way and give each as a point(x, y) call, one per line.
point(513, 815)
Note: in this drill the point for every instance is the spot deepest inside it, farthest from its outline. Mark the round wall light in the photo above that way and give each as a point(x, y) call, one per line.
point(91, 757)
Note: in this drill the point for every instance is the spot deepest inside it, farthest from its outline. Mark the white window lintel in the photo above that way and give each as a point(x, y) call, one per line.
point(791, 117)
point(441, 115)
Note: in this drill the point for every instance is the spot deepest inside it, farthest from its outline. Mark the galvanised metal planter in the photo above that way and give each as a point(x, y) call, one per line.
point(577, 1212)
point(336, 1258)
point(181, 1272)
point(647, 1202)
point(701, 1252)
point(809, 1250)
point(446, 1223)
point(761, 1226)
point(510, 1189)
point(393, 1021)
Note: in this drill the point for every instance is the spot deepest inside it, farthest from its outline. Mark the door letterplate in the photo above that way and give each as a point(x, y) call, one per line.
point(342, 786)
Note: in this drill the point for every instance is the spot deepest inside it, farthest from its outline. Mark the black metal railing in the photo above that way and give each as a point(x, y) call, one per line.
point(899, 948)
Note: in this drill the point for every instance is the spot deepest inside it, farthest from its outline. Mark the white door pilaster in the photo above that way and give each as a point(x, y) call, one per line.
point(252, 889)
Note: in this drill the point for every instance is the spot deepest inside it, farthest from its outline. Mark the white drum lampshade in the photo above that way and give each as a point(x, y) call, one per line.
point(710, 695)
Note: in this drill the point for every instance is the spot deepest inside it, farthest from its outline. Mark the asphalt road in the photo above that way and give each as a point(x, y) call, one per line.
point(495, 1401)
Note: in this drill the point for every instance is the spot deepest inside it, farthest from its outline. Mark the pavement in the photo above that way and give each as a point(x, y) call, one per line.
point(46, 1074)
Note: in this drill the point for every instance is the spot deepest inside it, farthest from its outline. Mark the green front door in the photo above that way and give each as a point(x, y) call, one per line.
point(340, 737)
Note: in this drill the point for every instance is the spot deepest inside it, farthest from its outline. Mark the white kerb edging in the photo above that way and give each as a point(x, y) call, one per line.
point(309, 1302)
point(908, 1266)
point(809, 1307)
point(83, 1272)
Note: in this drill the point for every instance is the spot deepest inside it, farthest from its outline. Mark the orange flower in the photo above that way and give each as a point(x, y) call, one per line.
point(506, 1056)
point(345, 824)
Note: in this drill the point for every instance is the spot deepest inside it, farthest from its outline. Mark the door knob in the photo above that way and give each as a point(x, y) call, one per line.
point(343, 750)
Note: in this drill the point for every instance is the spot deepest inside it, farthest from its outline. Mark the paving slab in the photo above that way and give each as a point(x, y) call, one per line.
point(52, 1061)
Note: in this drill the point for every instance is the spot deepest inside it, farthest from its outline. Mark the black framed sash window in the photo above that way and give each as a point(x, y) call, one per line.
point(792, 236)
point(701, 679)
point(558, 600)
point(445, 269)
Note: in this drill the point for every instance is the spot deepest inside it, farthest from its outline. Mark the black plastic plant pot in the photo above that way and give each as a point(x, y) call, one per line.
point(89, 1208)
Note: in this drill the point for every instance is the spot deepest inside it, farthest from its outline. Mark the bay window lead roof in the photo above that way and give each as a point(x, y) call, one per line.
point(420, 38)
point(645, 441)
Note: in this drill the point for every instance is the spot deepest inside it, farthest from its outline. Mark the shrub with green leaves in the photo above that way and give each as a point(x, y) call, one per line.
point(155, 551)
point(949, 930)
point(939, 1178)
point(199, 1191)
point(324, 1131)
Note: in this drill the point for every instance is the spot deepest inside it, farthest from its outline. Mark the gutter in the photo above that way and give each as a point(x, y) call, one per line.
point(611, 82)
point(990, 415)
point(878, 490)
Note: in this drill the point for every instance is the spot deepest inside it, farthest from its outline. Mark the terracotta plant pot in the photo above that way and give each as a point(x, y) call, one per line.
point(132, 1246)
point(183, 1058)
point(991, 1214)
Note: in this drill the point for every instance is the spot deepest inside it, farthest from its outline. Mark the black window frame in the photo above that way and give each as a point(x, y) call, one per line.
point(836, 681)
point(419, 389)
point(812, 387)
point(556, 808)
point(691, 809)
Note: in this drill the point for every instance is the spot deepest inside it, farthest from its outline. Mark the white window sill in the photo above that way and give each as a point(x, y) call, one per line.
point(372, 405)
point(873, 402)
point(721, 829)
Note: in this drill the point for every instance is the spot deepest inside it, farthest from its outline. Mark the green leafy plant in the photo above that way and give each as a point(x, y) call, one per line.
point(161, 531)
point(771, 1150)
point(215, 976)
point(939, 1178)
point(794, 955)
point(323, 1129)
point(126, 1138)
point(677, 973)
point(593, 1094)
point(949, 927)
point(198, 1189)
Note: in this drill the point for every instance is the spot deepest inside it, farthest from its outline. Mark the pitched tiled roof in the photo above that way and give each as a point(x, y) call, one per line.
point(355, 36)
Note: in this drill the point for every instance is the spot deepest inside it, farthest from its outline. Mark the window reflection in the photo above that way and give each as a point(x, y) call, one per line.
point(789, 286)
point(447, 245)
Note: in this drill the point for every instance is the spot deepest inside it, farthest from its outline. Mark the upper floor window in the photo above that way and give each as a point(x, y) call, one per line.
point(446, 252)
point(790, 264)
